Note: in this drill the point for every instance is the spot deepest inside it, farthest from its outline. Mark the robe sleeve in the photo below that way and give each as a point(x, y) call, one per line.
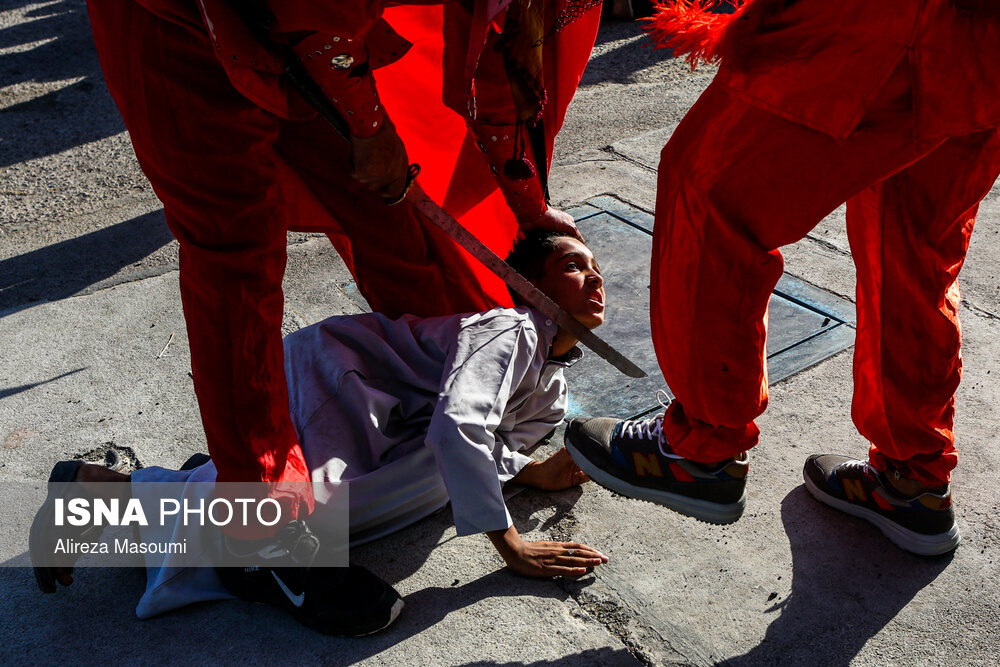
point(547, 412)
point(489, 360)
point(340, 44)
point(490, 113)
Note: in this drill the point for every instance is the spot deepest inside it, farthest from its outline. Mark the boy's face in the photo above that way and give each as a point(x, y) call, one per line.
point(573, 280)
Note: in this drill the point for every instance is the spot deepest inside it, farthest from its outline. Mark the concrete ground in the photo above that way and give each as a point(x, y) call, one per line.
point(94, 358)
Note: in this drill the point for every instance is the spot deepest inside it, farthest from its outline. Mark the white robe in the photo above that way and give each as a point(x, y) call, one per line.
point(409, 414)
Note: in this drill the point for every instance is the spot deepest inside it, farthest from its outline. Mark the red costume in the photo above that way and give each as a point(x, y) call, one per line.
point(238, 160)
point(892, 106)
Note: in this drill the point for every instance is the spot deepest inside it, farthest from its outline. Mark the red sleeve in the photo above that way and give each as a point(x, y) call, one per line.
point(340, 65)
point(334, 41)
point(510, 157)
point(491, 114)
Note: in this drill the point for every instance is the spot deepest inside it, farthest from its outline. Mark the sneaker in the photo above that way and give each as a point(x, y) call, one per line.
point(343, 601)
point(924, 524)
point(633, 458)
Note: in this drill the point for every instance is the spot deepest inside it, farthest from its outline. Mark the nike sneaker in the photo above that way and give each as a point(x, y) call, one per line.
point(343, 601)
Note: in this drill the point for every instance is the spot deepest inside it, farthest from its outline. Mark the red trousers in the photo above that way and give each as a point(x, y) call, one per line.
point(737, 182)
point(233, 180)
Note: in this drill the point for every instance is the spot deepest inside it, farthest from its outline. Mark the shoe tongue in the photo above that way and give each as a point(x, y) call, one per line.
point(293, 540)
point(245, 548)
point(300, 542)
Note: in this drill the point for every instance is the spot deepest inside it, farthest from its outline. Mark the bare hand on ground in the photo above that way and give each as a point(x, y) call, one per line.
point(380, 161)
point(554, 220)
point(545, 559)
point(555, 473)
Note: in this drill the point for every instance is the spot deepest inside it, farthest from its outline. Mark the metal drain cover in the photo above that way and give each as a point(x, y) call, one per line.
point(806, 324)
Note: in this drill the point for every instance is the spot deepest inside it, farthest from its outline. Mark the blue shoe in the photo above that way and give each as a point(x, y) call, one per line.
point(633, 458)
point(923, 524)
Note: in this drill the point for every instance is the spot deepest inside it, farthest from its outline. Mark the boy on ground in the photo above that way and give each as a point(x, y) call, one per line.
point(411, 413)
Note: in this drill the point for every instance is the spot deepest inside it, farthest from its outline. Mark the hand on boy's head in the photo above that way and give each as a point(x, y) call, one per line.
point(554, 220)
point(563, 268)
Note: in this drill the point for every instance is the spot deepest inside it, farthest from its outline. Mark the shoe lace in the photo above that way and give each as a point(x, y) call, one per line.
point(650, 428)
point(647, 429)
point(864, 467)
point(300, 542)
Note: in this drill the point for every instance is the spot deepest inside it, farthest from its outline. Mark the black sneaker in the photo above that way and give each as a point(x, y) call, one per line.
point(923, 524)
point(343, 601)
point(196, 461)
point(632, 458)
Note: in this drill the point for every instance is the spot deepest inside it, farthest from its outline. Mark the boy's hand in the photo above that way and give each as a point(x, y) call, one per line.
point(545, 559)
point(555, 473)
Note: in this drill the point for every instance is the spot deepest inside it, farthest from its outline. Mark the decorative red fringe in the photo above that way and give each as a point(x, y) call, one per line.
point(690, 28)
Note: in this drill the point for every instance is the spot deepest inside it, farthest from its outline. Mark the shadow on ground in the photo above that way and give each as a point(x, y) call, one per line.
point(848, 583)
point(10, 391)
point(598, 657)
point(94, 620)
point(69, 267)
point(620, 64)
point(54, 45)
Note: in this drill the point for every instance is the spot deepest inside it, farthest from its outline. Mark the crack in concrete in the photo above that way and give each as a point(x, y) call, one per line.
point(979, 312)
point(617, 618)
point(832, 247)
point(845, 297)
point(610, 150)
point(570, 162)
point(606, 612)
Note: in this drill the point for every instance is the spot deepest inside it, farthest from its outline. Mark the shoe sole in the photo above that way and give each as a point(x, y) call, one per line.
point(397, 607)
point(703, 510)
point(907, 540)
point(309, 622)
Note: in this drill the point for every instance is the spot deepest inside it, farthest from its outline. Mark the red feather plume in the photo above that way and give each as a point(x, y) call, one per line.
point(691, 29)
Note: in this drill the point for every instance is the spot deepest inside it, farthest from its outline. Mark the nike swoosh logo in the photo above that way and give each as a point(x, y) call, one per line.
point(296, 600)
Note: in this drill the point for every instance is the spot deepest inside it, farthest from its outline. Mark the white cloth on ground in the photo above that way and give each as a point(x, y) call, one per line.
point(170, 587)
